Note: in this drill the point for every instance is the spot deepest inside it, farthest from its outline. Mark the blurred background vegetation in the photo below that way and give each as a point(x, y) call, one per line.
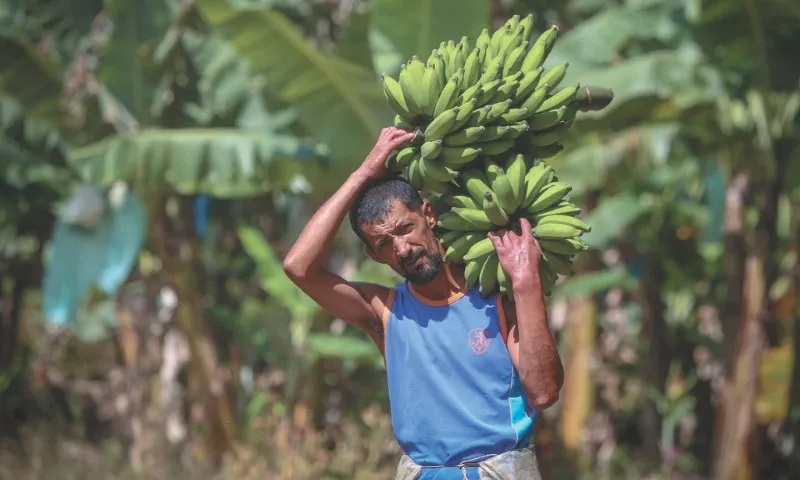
point(158, 157)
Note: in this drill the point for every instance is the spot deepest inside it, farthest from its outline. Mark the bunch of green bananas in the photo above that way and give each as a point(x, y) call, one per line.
point(494, 197)
point(486, 115)
point(467, 101)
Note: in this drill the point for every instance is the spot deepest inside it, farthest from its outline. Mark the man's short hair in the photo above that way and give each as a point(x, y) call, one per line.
point(375, 200)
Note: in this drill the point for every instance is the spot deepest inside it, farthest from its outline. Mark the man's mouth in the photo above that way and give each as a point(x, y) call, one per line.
point(414, 263)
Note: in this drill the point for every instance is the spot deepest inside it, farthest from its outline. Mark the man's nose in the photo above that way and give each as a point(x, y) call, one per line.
point(402, 248)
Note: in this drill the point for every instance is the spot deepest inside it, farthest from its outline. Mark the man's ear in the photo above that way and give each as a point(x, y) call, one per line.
point(430, 214)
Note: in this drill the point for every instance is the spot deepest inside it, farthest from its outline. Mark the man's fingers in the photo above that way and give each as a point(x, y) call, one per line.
point(525, 226)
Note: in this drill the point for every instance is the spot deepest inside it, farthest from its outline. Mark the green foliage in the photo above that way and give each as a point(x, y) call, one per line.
point(220, 162)
point(417, 27)
point(338, 102)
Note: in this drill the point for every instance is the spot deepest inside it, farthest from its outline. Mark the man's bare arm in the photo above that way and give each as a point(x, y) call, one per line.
point(356, 303)
point(530, 342)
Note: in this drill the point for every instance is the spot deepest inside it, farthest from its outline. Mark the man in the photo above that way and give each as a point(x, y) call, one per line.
point(465, 373)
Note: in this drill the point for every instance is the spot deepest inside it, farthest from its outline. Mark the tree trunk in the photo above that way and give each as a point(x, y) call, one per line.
point(177, 250)
point(736, 426)
point(580, 335)
point(655, 365)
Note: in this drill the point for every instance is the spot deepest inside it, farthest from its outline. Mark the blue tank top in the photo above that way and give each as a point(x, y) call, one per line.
point(454, 393)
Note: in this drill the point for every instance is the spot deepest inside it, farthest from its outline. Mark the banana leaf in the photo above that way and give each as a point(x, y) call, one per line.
point(224, 163)
point(128, 67)
point(416, 27)
point(339, 103)
point(29, 77)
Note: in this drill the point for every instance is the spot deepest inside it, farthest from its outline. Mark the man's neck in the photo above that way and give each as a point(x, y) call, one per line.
point(448, 282)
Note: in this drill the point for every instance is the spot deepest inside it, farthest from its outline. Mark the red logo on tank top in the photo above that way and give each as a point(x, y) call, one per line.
point(478, 341)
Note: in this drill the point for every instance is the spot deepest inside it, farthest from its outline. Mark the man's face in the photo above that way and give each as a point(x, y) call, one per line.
point(405, 241)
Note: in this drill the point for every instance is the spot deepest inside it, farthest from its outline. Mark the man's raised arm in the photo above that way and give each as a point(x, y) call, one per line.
point(356, 303)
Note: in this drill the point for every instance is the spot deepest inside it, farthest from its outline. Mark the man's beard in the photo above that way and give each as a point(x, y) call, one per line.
point(426, 273)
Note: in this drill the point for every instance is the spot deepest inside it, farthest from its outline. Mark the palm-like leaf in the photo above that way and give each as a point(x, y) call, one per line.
point(30, 77)
point(338, 102)
point(416, 27)
point(220, 162)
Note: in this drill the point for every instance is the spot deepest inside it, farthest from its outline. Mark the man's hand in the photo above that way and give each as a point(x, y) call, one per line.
point(519, 255)
point(390, 139)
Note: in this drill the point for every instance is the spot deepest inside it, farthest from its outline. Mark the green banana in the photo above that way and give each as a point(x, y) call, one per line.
point(480, 249)
point(413, 174)
point(431, 149)
point(484, 39)
point(555, 75)
point(456, 251)
point(409, 84)
point(448, 238)
point(472, 272)
point(561, 208)
point(535, 180)
point(492, 169)
point(458, 157)
point(514, 115)
point(527, 26)
point(462, 201)
point(464, 114)
point(431, 89)
point(436, 171)
point(434, 186)
point(447, 99)
point(558, 264)
point(540, 50)
point(566, 220)
point(548, 137)
point(497, 147)
point(394, 94)
point(550, 195)
point(494, 69)
point(547, 119)
point(517, 129)
point(399, 121)
point(451, 221)
point(405, 155)
point(528, 84)
point(472, 68)
point(475, 182)
point(515, 58)
point(497, 39)
point(563, 246)
point(416, 68)
point(516, 170)
point(488, 277)
point(474, 217)
point(488, 91)
point(561, 97)
point(555, 231)
point(494, 132)
point(502, 280)
point(501, 186)
point(450, 57)
point(498, 109)
point(504, 92)
point(471, 93)
point(548, 151)
point(512, 41)
point(497, 215)
point(478, 116)
point(466, 136)
point(441, 125)
point(536, 99)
